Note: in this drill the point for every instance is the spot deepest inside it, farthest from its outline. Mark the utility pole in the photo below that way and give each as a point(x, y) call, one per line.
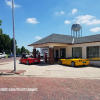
point(14, 36)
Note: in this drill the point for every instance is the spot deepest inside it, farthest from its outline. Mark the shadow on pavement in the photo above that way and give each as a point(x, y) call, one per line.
point(56, 63)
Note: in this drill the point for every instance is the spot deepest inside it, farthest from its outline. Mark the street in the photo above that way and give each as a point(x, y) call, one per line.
point(52, 82)
point(50, 88)
point(6, 60)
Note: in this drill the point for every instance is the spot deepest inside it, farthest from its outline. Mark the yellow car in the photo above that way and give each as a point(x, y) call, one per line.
point(74, 61)
point(95, 58)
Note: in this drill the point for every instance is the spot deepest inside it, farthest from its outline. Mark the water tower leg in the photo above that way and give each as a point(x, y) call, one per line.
point(76, 33)
point(71, 32)
point(81, 32)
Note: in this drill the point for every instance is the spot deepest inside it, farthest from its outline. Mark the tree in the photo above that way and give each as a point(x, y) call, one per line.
point(0, 28)
point(23, 49)
point(0, 22)
point(4, 43)
point(37, 52)
point(27, 51)
point(18, 51)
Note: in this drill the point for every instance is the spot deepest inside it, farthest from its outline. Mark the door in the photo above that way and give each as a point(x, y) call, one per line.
point(57, 55)
point(68, 61)
point(62, 53)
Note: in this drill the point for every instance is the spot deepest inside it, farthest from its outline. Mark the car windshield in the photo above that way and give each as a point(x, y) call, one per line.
point(69, 58)
point(72, 58)
point(75, 57)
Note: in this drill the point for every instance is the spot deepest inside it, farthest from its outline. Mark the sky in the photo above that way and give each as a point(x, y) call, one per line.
point(36, 19)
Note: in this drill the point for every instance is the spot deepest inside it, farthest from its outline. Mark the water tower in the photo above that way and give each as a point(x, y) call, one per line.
point(76, 30)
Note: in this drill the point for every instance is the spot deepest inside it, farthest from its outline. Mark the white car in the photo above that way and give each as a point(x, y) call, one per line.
point(42, 55)
point(2, 55)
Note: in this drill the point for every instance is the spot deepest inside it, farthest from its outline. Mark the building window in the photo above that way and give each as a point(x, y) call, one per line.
point(93, 52)
point(77, 52)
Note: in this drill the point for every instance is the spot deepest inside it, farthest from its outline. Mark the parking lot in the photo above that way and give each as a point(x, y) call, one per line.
point(55, 70)
point(3, 60)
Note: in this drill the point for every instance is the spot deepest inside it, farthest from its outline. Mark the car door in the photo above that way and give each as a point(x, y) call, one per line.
point(68, 61)
point(25, 60)
point(22, 60)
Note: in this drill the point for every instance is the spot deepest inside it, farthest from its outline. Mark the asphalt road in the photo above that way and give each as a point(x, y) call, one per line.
point(2, 60)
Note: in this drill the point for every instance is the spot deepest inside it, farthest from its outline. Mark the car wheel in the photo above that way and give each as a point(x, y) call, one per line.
point(27, 62)
point(72, 64)
point(20, 61)
point(60, 62)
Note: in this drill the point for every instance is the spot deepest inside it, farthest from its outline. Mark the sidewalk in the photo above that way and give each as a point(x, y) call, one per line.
point(56, 70)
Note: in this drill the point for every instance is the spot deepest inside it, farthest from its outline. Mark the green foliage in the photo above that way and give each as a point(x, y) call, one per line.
point(6, 44)
point(0, 28)
point(7, 56)
point(27, 51)
point(37, 52)
point(0, 22)
point(23, 50)
point(18, 51)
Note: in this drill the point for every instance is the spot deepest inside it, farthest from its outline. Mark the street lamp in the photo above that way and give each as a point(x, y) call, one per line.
point(14, 36)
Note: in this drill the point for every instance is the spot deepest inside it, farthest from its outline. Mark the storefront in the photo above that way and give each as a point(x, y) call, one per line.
point(61, 46)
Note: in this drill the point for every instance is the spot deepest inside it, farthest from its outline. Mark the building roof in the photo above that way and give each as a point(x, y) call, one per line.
point(88, 39)
point(59, 38)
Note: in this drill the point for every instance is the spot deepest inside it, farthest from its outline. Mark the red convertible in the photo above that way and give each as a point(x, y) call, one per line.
point(28, 60)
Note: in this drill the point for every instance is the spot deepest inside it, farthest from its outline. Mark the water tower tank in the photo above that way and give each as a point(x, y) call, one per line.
point(76, 30)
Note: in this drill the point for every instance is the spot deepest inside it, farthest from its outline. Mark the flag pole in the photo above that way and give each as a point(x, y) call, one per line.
point(14, 46)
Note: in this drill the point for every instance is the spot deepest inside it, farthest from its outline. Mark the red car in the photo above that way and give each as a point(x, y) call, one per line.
point(28, 60)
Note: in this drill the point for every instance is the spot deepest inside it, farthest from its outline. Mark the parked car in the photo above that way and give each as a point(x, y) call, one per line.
point(26, 59)
point(18, 55)
point(42, 55)
point(2, 55)
point(10, 56)
point(74, 61)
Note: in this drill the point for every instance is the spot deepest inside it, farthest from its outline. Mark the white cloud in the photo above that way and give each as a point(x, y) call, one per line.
point(97, 29)
point(74, 11)
point(87, 19)
point(9, 3)
point(59, 13)
point(67, 22)
point(62, 12)
point(37, 37)
point(32, 20)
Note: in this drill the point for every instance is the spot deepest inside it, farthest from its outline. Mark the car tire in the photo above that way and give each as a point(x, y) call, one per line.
point(27, 62)
point(20, 61)
point(60, 62)
point(72, 64)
